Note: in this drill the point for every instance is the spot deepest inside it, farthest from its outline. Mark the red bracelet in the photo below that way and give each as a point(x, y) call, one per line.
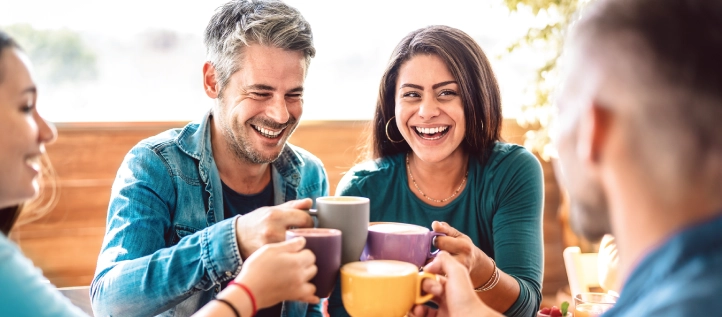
point(250, 295)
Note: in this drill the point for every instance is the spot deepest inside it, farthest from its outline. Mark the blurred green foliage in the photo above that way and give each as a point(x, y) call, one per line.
point(59, 56)
point(538, 115)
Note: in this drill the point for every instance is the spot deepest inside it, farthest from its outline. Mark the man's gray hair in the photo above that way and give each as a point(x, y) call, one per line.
point(672, 50)
point(241, 23)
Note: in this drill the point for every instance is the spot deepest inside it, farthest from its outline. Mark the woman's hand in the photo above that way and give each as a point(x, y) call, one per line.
point(280, 271)
point(463, 250)
point(453, 293)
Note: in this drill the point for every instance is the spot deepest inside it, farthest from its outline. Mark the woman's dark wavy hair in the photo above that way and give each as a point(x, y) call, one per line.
point(479, 91)
point(8, 215)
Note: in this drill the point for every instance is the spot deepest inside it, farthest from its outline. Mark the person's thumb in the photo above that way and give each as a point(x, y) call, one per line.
point(305, 203)
point(294, 245)
point(441, 227)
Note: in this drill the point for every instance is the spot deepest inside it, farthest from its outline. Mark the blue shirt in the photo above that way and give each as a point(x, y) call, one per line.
point(23, 289)
point(167, 248)
point(683, 277)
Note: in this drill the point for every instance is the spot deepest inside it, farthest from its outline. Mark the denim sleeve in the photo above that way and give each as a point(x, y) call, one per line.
point(324, 184)
point(138, 272)
point(315, 310)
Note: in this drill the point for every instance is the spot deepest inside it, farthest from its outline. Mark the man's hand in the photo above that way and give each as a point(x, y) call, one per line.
point(454, 294)
point(269, 224)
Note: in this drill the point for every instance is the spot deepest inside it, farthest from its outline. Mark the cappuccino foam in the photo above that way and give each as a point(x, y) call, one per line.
point(398, 228)
point(380, 268)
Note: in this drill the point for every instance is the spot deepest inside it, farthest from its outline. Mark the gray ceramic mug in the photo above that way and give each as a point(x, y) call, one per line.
point(349, 214)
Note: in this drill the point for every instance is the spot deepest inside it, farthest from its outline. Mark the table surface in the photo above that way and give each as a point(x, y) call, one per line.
point(79, 296)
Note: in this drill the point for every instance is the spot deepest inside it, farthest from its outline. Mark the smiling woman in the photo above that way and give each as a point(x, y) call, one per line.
point(442, 165)
point(25, 132)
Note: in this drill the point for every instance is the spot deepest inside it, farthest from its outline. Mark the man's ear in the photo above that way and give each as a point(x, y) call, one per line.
point(210, 85)
point(594, 131)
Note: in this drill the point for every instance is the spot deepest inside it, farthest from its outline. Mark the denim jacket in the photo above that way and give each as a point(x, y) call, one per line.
point(167, 248)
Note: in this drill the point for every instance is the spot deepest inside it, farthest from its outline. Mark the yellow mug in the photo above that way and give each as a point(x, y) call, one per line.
point(382, 288)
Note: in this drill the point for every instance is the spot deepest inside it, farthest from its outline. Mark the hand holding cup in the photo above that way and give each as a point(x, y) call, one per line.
point(280, 271)
point(453, 293)
point(269, 224)
point(460, 247)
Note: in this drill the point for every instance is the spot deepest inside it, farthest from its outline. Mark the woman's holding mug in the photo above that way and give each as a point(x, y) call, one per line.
point(435, 158)
point(276, 272)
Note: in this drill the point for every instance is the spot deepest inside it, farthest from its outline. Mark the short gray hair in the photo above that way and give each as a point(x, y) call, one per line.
point(674, 48)
point(240, 23)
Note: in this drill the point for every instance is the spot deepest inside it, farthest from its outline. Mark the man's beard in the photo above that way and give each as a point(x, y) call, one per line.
point(244, 150)
point(590, 218)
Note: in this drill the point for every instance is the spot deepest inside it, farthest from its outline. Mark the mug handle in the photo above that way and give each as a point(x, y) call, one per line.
point(420, 299)
point(433, 236)
point(314, 214)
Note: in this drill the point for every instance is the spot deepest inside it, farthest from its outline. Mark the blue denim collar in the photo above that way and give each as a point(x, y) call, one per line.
point(195, 141)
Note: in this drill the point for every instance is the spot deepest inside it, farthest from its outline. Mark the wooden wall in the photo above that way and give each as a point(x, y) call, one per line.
point(66, 242)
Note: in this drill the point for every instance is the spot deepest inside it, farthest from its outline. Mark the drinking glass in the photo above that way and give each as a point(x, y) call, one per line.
point(593, 304)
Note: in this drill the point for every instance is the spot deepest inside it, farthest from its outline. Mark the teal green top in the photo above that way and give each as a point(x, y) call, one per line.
point(500, 209)
point(23, 289)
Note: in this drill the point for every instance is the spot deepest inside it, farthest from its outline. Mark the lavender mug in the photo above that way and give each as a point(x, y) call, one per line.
point(399, 241)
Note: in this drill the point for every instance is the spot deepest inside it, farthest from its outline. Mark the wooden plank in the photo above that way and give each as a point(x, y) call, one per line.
point(78, 207)
point(67, 257)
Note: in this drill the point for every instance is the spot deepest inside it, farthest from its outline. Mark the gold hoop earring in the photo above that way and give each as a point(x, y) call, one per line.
point(387, 131)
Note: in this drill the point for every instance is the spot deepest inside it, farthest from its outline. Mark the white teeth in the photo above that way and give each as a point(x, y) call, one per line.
point(431, 130)
point(268, 133)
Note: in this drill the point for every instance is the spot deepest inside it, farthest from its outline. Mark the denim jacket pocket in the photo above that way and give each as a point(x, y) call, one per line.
point(182, 231)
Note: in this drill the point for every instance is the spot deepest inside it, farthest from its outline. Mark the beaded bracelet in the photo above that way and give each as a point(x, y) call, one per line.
point(250, 295)
point(493, 280)
point(233, 308)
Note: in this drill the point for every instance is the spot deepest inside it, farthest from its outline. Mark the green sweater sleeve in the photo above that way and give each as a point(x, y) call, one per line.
point(517, 227)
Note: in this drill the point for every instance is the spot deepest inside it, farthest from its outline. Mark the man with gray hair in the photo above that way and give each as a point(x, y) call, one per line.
point(189, 205)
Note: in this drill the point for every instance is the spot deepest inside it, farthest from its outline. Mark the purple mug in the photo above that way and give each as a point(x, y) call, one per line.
point(399, 241)
point(326, 246)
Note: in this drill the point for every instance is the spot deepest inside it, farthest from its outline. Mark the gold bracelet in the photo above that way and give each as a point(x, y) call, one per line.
point(493, 280)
